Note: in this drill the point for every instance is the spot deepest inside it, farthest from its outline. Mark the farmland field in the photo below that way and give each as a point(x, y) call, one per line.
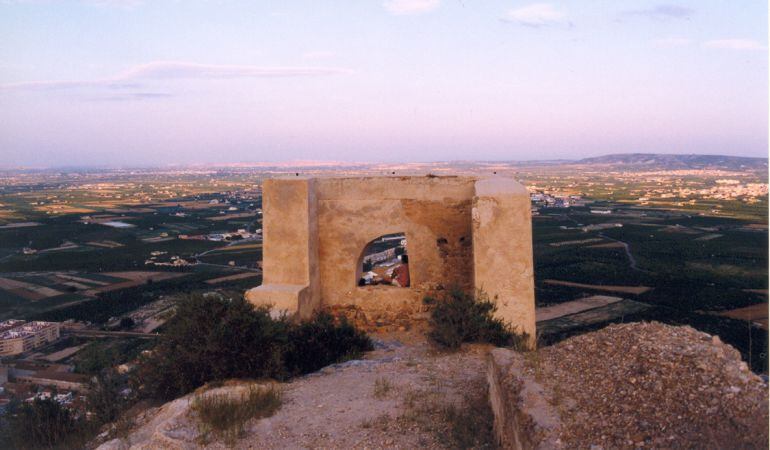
point(667, 266)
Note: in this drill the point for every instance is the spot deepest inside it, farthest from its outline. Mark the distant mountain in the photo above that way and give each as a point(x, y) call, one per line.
point(665, 161)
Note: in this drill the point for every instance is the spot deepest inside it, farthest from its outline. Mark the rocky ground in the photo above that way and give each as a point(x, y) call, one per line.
point(649, 385)
point(402, 395)
point(642, 385)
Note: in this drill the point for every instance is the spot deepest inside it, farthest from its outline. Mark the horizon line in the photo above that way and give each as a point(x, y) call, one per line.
point(318, 163)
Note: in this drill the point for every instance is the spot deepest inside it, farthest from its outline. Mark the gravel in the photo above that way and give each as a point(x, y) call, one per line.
point(649, 385)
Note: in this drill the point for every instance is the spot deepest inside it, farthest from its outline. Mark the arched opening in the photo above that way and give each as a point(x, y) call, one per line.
point(384, 262)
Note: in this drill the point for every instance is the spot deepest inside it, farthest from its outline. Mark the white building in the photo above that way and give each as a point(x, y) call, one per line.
point(17, 336)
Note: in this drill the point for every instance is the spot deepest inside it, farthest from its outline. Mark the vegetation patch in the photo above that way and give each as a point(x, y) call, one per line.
point(460, 317)
point(382, 387)
point(43, 423)
point(223, 416)
point(102, 354)
point(462, 424)
point(214, 337)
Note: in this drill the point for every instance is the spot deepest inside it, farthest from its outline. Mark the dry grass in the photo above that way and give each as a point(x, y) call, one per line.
point(224, 416)
point(381, 388)
point(381, 422)
point(464, 424)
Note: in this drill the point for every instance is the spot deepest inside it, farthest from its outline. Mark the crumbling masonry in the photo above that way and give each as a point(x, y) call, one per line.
point(461, 232)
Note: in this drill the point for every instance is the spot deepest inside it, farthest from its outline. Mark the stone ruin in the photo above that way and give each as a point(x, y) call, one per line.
point(465, 232)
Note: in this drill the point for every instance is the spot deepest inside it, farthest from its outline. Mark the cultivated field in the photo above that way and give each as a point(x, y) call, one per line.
point(635, 290)
point(754, 313)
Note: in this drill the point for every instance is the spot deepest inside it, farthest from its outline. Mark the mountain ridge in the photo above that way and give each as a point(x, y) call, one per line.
point(678, 161)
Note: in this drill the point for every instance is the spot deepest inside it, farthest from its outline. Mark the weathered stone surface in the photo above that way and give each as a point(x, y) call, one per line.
point(502, 250)
point(523, 417)
point(290, 268)
point(638, 385)
point(461, 232)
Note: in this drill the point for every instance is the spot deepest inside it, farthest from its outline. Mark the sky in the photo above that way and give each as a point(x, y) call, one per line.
point(159, 82)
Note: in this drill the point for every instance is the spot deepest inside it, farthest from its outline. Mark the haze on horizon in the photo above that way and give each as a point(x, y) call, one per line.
point(132, 82)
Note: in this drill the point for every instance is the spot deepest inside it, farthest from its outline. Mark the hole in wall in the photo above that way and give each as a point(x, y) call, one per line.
point(384, 262)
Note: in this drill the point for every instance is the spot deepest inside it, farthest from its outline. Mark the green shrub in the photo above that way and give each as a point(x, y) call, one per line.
point(213, 338)
point(321, 341)
point(461, 317)
point(224, 415)
point(103, 354)
point(216, 338)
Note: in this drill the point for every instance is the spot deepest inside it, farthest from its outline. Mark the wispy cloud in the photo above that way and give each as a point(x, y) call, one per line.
point(672, 42)
point(131, 96)
point(170, 70)
point(122, 4)
point(734, 44)
point(536, 15)
point(405, 7)
point(662, 11)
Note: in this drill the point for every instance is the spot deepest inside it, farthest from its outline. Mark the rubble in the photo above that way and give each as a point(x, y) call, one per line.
point(649, 385)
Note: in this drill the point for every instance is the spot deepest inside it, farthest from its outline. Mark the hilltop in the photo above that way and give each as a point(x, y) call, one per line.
point(636, 385)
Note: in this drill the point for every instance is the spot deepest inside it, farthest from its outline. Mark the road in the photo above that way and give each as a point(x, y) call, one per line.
point(111, 334)
point(199, 262)
point(627, 248)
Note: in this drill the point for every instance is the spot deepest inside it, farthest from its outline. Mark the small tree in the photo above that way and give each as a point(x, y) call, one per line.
point(317, 343)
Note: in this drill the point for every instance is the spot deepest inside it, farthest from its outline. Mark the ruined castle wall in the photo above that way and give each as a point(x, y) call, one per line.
point(290, 260)
point(502, 243)
point(433, 213)
point(288, 226)
point(460, 233)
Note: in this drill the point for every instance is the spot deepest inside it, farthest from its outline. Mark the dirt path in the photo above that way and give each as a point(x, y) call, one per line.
point(627, 249)
point(386, 401)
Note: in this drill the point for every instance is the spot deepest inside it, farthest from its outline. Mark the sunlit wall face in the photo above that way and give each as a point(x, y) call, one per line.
point(111, 82)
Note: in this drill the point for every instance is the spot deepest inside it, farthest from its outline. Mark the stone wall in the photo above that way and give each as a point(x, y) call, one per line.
point(523, 419)
point(434, 214)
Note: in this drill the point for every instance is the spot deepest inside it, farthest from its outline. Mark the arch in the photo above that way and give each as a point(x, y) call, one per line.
point(382, 251)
